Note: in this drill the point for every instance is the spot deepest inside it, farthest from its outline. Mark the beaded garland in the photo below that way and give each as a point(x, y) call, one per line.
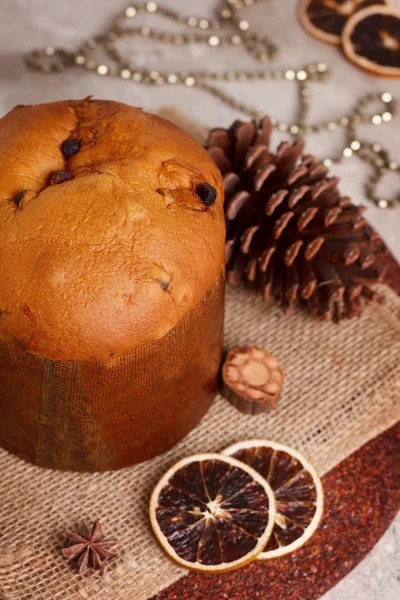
point(231, 30)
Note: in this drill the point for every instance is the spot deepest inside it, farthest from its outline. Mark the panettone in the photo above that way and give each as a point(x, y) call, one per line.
point(111, 284)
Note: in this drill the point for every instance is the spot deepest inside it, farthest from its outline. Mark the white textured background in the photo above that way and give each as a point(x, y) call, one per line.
point(25, 24)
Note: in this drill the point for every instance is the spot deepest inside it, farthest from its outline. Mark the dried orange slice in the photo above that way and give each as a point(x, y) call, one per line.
point(212, 513)
point(325, 19)
point(297, 489)
point(371, 40)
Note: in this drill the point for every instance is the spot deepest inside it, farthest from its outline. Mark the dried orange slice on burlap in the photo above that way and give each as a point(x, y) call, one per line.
point(212, 513)
point(297, 489)
point(325, 19)
point(371, 40)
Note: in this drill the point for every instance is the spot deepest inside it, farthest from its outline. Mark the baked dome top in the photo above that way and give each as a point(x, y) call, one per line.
point(108, 233)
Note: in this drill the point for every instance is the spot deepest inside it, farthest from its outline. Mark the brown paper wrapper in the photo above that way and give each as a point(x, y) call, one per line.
point(92, 416)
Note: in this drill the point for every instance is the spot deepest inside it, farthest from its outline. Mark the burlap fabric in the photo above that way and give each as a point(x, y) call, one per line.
point(342, 387)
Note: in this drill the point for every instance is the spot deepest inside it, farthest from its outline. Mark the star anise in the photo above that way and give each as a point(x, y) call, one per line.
point(88, 547)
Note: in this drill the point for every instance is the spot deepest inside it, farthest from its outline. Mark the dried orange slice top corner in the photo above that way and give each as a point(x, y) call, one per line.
point(212, 513)
point(371, 40)
point(297, 489)
point(325, 19)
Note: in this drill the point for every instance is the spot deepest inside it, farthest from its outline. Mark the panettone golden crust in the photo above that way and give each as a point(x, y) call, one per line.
point(113, 258)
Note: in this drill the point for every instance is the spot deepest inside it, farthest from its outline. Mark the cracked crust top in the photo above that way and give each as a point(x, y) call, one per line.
point(113, 252)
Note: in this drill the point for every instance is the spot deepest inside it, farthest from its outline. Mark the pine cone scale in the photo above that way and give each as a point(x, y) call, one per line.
point(292, 252)
point(366, 260)
point(281, 224)
point(351, 254)
point(265, 259)
point(236, 203)
point(229, 248)
point(297, 174)
point(313, 248)
point(246, 239)
point(251, 270)
point(256, 158)
point(231, 182)
point(244, 134)
point(297, 195)
point(306, 217)
point(220, 159)
point(332, 215)
point(262, 175)
point(275, 200)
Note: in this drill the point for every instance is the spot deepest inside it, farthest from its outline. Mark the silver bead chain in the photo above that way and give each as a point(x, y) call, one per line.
point(230, 29)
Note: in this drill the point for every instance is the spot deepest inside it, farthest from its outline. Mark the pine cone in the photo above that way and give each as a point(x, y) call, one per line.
point(290, 234)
